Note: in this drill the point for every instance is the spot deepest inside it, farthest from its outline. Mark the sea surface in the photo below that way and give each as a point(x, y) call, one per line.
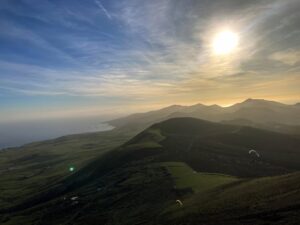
point(13, 134)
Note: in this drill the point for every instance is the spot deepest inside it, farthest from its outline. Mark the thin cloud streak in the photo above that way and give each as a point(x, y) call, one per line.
point(100, 5)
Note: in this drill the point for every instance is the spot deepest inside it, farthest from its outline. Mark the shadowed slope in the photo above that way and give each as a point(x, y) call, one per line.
point(137, 183)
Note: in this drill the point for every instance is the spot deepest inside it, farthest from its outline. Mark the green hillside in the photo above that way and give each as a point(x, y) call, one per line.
point(37, 166)
point(180, 171)
point(184, 178)
point(269, 200)
point(217, 148)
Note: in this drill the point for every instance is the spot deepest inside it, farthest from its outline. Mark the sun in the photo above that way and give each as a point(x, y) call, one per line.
point(225, 42)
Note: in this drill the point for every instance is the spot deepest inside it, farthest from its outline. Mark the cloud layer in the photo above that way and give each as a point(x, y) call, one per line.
point(146, 52)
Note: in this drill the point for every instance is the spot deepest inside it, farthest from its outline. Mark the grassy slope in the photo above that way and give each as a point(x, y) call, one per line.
point(216, 148)
point(142, 193)
point(132, 194)
point(185, 177)
point(139, 183)
point(34, 167)
point(269, 200)
point(222, 199)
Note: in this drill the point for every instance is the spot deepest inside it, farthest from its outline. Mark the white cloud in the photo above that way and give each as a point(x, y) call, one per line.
point(160, 49)
point(289, 57)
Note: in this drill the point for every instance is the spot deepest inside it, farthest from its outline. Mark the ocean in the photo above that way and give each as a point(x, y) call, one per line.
point(13, 134)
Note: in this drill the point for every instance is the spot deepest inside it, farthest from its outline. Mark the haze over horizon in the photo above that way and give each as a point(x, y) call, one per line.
point(98, 57)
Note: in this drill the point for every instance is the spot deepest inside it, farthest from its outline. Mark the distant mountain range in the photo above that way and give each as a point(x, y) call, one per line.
point(257, 113)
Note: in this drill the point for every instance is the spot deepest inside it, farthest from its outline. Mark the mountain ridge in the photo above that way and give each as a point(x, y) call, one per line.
point(258, 111)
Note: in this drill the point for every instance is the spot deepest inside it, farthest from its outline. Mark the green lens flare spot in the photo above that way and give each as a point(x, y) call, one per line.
point(71, 168)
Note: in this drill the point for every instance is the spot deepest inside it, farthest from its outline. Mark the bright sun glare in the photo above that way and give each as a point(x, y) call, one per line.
point(225, 42)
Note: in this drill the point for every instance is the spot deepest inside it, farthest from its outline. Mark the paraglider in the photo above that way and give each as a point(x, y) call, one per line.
point(179, 202)
point(74, 198)
point(253, 152)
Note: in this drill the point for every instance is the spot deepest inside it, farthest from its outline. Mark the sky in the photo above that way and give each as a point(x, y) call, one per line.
point(64, 58)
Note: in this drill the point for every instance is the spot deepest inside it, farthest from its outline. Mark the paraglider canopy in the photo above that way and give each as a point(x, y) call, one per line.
point(179, 202)
point(253, 152)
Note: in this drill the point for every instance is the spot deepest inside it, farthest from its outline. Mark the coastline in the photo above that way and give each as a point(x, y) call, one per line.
point(104, 126)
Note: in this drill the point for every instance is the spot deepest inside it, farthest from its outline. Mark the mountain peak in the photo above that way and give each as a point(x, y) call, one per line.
point(297, 104)
point(171, 108)
point(249, 100)
point(254, 100)
point(258, 102)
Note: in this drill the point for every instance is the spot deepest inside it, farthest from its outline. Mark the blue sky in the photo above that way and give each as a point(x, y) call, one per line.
point(63, 58)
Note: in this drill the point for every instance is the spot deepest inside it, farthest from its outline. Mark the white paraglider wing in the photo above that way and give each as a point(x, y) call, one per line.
point(252, 151)
point(178, 201)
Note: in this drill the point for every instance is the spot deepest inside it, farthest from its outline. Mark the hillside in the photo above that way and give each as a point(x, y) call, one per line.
point(218, 148)
point(36, 166)
point(268, 200)
point(271, 126)
point(204, 165)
